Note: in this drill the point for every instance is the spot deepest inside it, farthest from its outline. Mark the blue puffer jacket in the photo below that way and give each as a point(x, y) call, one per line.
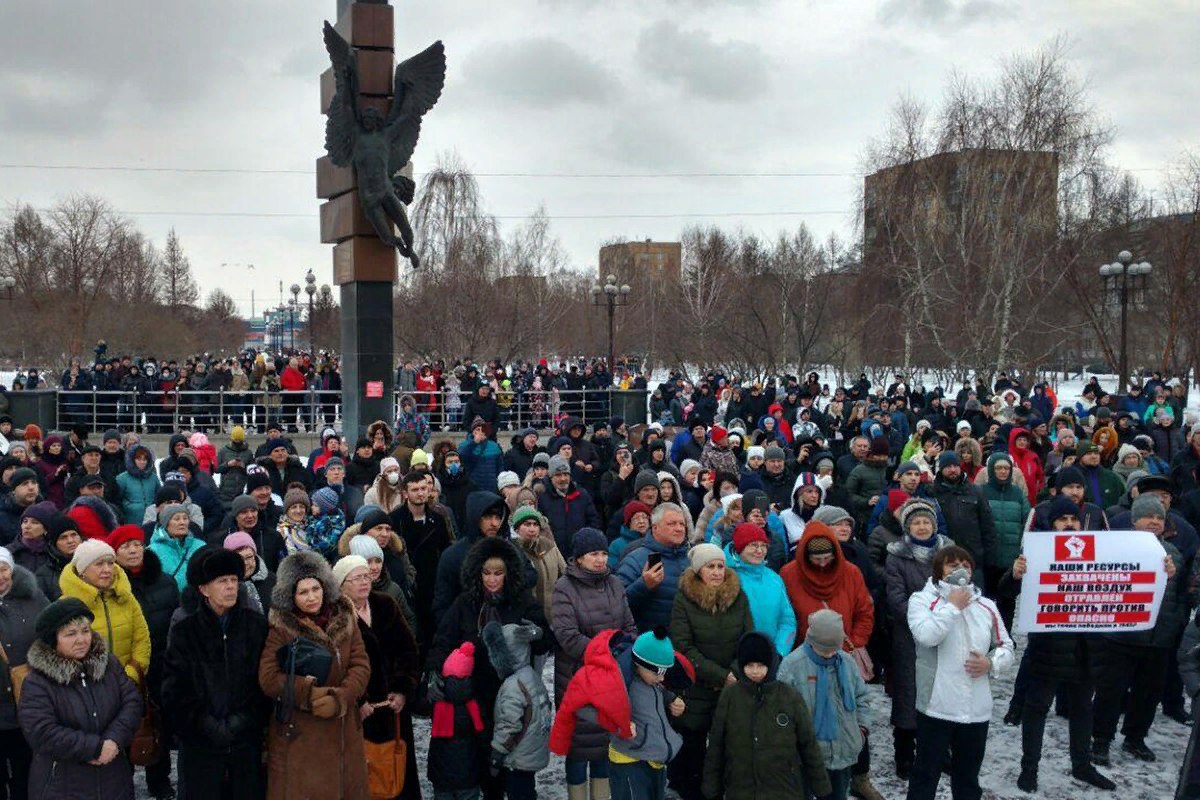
point(174, 553)
point(769, 605)
point(651, 608)
point(136, 487)
point(567, 513)
point(617, 548)
point(483, 462)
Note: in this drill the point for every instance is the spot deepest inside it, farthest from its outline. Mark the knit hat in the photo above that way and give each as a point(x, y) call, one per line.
point(701, 554)
point(6, 557)
point(126, 533)
point(32, 432)
point(387, 463)
point(825, 629)
point(345, 565)
point(237, 434)
point(756, 498)
point(1061, 506)
point(588, 540)
point(728, 500)
point(417, 458)
point(239, 539)
point(111, 433)
point(653, 650)
point(1132, 478)
point(1146, 505)
point(690, 464)
point(256, 480)
point(1127, 450)
point(1086, 446)
point(506, 479)
point(541, 459)
point(755, 648)
point(818, 545)
point(718, 434)
point(962, 425)
point(1069, 475)
point(89, 552)
point(296, 497)
point(21, 475)
point(907, 466)
point(243, 502)
point(276, 443)
point(948, 458)
point(175, 476)
point(374, 518)
point(334, 461)
point(831, 515)
point(461, 662)
point(645, 477)
point(326, 499)
point(756, 451)
point(366, 547)
point(914, 507)
point(43, 512)
point(362, 512)
point(58, 615)
point(211, 562)
point(746, 534)
point(879, 446)
point(526, 513)
point(635, 507)
point(478, 422)
point(559, 466)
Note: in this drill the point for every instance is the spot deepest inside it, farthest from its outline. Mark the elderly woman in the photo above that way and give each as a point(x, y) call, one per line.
point(173, 542)
point(20, 604)
point(79, 712)
point(315, 742)
point(395, 663)
point(710, 615)
point(588, 599)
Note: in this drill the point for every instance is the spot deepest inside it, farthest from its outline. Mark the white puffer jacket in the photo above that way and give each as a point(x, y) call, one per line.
point(945, 637)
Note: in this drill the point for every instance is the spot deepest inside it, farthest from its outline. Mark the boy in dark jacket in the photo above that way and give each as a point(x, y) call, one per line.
point(762, 744)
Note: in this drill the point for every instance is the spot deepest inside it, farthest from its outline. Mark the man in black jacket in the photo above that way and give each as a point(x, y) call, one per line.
point(426, 534)
point(483, 405)
point(210, 690)
point(966, 511)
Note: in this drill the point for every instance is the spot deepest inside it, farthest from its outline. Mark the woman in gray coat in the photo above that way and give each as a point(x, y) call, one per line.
point(20, 603)
point(586, 600)
point(909, 565)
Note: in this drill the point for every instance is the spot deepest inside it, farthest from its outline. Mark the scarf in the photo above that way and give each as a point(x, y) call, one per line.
point(825, 719)
point(443, 718)
point(923, 550)
point(489, 609)
point(322, 618)
point(37, 545)
point(295, 537)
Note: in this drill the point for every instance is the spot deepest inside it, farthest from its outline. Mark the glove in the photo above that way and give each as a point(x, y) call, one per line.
point(433, 689)
point(325, 707)
point(496, 763)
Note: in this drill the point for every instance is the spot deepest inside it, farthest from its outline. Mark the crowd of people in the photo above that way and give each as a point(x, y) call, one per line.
point(716, 594)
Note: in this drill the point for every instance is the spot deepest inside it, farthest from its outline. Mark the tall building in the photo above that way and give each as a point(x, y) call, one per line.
point(633, 261)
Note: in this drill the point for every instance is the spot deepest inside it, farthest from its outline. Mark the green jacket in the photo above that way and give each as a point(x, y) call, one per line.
point(706, 624)
point(1010, 509)
point(762, 746)
point(864, 482)
point(1111, 486)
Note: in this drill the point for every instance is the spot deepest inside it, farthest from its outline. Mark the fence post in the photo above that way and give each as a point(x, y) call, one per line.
point(95, 426)
point(221, 409)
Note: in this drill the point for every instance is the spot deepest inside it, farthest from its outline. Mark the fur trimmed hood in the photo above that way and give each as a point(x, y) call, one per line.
point(24, 584)
point(297, 567)
point(131, 467)
point(342, 623)
point(396, 545)
point(508, 646)
point(45, 660)
point(480, 552)
point(713, 599)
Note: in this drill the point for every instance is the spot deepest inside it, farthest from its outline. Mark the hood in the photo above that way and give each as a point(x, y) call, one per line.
point(508, 646)
point(45, 660)
point(991, 470)
point(713, 599)
point(818, 530)
point(514, 566)
point(132, 469)
point(24, 584)
point(477, 503)
point(102, 510)
point(678, 498)
point(1012, 438)
point(174, 440)
point(796, 486)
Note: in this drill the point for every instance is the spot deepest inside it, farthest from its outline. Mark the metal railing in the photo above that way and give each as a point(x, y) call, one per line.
point(167, 412)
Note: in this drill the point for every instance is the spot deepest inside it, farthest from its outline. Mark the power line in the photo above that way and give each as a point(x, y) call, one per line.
point(717, 214)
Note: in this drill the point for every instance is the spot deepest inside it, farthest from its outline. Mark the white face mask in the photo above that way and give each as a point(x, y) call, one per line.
point(393, 478)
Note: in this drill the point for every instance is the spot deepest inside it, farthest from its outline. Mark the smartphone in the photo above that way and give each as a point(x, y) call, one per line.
point(653, 560)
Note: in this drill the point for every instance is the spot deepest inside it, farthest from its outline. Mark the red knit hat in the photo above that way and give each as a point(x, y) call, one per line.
point(89, 522)
point(718, 434)
point(460, 663)
point(896, 498)
point(634, 507)
point(746, 534)
point(125, 533)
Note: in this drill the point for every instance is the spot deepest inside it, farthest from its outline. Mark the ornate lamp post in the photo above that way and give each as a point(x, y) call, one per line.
point(611, 295)
point(310, 288)
point(1116, 279)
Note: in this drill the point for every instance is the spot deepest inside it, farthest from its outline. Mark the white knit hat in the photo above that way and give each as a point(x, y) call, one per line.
point(507, 478)
point(384, 464)
point(89, 552)
point(701, 554)
point(729, 500)
point(346, 565)
point(756, 451)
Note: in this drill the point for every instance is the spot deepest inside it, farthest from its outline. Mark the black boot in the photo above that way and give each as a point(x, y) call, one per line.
point(1138, 749)
point(1027, 781)
point(905, 742)
point(1100, 752)
point(1091, 776)
point(1013, 717)
point(1179, 714)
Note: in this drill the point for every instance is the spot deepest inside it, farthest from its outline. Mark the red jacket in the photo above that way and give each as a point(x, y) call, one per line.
point(291, 380)
point(598, 683)
point(1028, 462)
point(840, 588)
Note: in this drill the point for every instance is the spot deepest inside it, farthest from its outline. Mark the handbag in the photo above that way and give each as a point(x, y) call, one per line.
point(387, 764)
point(16, 675)
point(866, 667)
point(146, 747)
point(304, 658)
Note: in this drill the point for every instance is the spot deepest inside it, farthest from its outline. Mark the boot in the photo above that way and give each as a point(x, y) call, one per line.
point(577, 791)
point(1091, 776)
point(904, 742)
point(1027, 781)
point(1138, 749)
point(600, 790)
point(1013, 717)
point(1100, 752)
point(860, 787)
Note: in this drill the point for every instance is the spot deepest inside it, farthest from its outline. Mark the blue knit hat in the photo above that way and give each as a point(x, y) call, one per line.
point(325, 499)
point(587, 540)
point(361, 514)
point(653, 650)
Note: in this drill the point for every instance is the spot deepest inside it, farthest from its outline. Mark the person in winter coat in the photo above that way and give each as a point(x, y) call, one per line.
point(94, 577)
point(636, 524)
point(481, 457)
point(79, 713)
point(457, 748)
point(20, 603)
point(948, 618)
point(211, 697)
point(232, 461)
point(588, 599)
point(909, 565)
point(137, 485)
point(173, 542)
point(566, 505)
point(493, 588)
point(319, 722)
point(531, 534)
point(523, 715)
point(820, 577)
point(1010, 508)
point(828, 681)
point(395, 663)
point(28, 550)
point(1026, 461)
point(710, 615)
point(61, 540)
point(762, 745)
point(283, 468)
point(770, 609)
point(968, 517)
point(1104, 487)
point(868, 481)
point(519, 457)
point(650, 568)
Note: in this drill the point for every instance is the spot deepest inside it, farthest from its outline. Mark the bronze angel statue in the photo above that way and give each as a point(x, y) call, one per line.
point(378, 147)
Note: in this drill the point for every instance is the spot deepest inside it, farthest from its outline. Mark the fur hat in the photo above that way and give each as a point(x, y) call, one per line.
point(256, 480)
point(755, 648)
point(126, 533)
point(211, 562)
point(93, 516)
point(297, 567)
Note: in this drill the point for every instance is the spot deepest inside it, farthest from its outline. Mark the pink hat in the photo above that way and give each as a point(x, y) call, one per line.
point(239, 539)
point(460, 663)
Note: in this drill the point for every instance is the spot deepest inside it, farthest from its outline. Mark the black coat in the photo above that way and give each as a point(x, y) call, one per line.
point(210, 691)
point(158, 595)
point(47, 575)
point(425, 544)
point(293, 472)
point(519, 460)
point(19, 610)
point(265, 534)
point(968, 518)
point(395, 663)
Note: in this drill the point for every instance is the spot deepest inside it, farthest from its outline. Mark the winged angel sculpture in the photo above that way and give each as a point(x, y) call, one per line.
point(376, 146)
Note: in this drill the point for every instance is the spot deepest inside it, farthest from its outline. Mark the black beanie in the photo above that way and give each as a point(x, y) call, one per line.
point(755, 647)
point(1068, 475)
point(57, 614)
point(373, 518)
point(256, 479)
point(211, 562)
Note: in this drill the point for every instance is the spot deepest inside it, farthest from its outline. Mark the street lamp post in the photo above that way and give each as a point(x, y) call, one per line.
point(310, 288)
point(611, 295)
point(1116, 276)
point(295, 290)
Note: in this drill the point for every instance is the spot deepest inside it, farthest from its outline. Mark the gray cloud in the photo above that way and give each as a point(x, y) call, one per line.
point(536, 72)
point(942, 13)
point(730, 71)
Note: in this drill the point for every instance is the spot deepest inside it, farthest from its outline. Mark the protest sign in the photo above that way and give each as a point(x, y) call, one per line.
point(1091, 581)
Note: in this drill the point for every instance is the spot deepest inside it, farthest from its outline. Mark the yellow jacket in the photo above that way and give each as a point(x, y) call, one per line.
point(119, 619)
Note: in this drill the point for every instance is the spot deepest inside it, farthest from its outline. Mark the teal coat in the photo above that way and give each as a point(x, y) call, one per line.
point(174, 554)
point(1010, 509)
point(769, 606)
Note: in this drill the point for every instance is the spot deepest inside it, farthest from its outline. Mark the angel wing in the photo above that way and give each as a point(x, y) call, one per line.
point(341, 126)
point(418, 85)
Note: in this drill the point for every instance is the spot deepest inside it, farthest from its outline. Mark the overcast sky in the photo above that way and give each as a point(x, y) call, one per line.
point(556, 86)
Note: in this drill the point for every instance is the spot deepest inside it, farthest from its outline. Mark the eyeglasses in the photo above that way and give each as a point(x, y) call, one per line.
point(359, 579)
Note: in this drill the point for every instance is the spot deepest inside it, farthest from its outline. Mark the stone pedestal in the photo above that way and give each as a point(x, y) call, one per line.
point(367, 324)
